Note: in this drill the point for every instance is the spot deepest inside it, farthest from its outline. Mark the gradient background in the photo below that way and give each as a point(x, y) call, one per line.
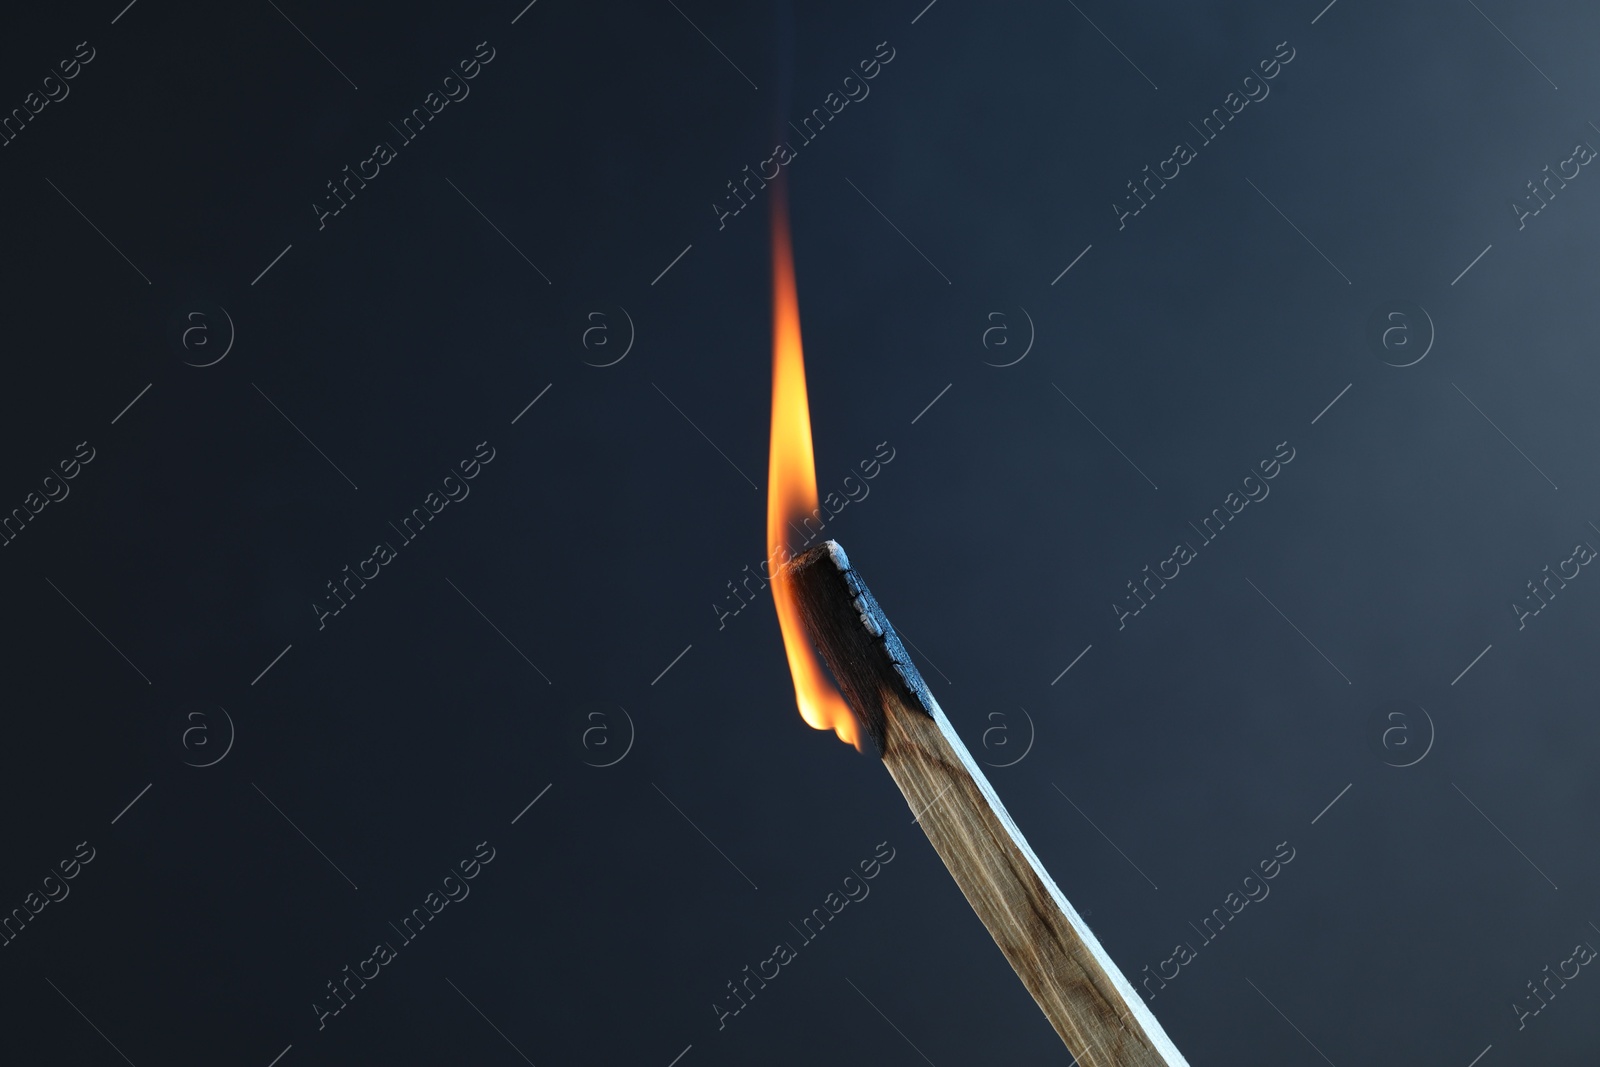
point(1220, 722)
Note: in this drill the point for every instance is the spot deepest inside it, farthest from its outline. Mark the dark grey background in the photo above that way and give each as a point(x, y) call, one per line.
point(1219, 723)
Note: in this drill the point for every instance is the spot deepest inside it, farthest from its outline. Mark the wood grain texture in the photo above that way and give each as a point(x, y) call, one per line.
point(1081, 991)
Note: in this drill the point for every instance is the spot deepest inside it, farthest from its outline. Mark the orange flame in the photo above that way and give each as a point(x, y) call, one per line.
point(792, 487)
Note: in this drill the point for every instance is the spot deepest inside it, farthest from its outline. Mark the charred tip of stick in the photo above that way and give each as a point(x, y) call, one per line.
point(845, 623)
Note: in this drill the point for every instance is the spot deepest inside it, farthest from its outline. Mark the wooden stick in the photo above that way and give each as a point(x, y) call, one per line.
point(1076, 984)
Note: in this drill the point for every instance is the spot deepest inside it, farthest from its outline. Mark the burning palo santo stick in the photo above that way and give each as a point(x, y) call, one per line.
point(1076, 984)
point(1086, 998)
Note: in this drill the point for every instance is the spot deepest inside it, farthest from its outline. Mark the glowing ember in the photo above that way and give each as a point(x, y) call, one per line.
point(792, 487)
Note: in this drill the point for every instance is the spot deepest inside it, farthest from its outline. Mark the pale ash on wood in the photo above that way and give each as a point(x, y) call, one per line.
point(1075, 983)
